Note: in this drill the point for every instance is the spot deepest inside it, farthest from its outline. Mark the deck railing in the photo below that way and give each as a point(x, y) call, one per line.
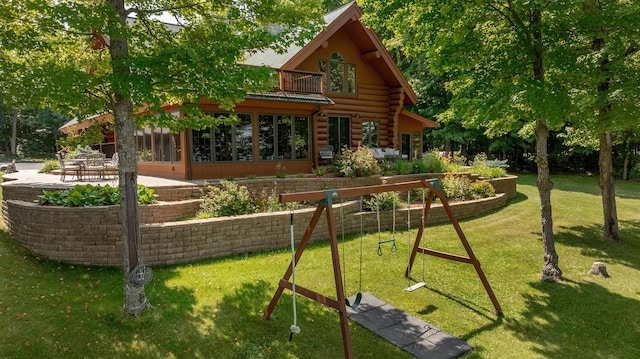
point(300, 82)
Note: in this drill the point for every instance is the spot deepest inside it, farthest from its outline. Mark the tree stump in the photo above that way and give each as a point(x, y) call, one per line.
point(599, 269)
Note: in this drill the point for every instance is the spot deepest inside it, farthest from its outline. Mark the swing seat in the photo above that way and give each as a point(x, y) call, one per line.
point(356, 302)
point(413, 287)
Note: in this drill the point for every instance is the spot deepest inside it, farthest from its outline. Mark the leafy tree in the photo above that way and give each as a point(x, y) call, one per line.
point(91, 56)
point(36, 133)
point(496, 55)
point(606, 45)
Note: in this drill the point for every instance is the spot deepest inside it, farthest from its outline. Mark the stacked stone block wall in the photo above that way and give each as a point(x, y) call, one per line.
point(92, 237)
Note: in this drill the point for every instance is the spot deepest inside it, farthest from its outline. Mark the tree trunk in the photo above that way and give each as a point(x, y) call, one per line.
point(607, 187)
point(605, 159)
point(625, 168)
point(14, 132)
point(135, 301)
point(550, 268)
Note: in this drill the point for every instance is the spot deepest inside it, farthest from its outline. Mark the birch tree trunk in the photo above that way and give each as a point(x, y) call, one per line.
point(135, 301)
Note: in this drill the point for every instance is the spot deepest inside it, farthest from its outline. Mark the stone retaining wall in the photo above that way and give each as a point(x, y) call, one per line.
point(92, 237)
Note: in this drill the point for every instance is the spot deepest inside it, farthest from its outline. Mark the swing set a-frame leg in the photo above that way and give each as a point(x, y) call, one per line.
point(340, 303)
point(471, 258)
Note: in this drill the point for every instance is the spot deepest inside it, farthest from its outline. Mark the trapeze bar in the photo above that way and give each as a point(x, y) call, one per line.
point(358, 191)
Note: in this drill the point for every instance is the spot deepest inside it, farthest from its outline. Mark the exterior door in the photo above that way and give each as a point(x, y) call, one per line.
point(339, 132)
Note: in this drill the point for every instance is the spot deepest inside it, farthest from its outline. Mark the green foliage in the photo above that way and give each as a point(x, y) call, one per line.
point(460, 188)
point(49, 165)
point(358, 163)
point(281, 171)
point(226, 199)
point(482, 158)
point(252, 177)
point(320, 171)
point(488, 172)
point(383, 201)
point(634, 172)
point(481, 189)
point(402, 167)
point(418, 166)
point(146, 195)
point(89, 195)
point(80, 142)
point(455, 188)
point(36, 131)
point(433, 163)
point(387, 168)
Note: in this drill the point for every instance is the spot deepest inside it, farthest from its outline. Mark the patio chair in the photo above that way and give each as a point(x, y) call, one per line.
point(65, 169)
point(325, 153)
point(94, 166)
point(378, 153)
point(111, 167)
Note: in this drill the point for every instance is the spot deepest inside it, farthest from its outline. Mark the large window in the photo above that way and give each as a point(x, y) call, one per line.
point(158, 145)
point(339, 76)
point(370, 134)
point(339, 132)
point(226, 142)
point(283, 137)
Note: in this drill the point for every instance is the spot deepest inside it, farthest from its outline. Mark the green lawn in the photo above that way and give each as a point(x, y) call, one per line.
point(213, 309)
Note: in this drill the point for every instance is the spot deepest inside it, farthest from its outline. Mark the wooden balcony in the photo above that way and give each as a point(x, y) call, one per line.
point(300, 82)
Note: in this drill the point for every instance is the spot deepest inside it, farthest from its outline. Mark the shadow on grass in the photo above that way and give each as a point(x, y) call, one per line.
point(520, 197)
point(578, 320)
point(589, 239)
point(585, 184)
point(238, 323)
point(76, 311)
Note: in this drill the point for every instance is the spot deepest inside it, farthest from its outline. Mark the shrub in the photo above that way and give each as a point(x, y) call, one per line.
point(455, 188)
point(485, 167)
point(460, 188)
point(418, 166)
point(226, 199)
point(387, 168)
point(402, 167)
point(488, 172)
point(481, 189)
point(320, 171)
point(358, 163)
point(49, 165)
point(89, 195)
point(433, 163)
point(382, 201)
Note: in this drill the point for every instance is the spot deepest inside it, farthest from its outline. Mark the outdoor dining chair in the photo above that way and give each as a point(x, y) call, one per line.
point(65, 169)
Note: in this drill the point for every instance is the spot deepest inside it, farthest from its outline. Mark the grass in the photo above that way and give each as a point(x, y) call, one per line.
point(213, 308)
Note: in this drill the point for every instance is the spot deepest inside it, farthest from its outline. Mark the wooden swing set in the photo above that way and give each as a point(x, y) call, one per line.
point(326, 198)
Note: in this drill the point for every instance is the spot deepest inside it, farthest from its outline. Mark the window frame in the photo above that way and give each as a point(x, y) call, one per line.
point(348, 75)
point(213, 155)
point(274, 127)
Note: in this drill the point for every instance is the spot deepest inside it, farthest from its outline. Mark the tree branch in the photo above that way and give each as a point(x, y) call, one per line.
point(518, 28)
point(161, 10)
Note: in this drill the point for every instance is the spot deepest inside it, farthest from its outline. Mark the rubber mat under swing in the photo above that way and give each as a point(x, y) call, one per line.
point(414, 335)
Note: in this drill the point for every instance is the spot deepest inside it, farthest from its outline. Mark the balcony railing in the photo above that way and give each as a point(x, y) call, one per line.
point(300, 82)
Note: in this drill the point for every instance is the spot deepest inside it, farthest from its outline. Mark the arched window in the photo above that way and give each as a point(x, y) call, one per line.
point(339, 75)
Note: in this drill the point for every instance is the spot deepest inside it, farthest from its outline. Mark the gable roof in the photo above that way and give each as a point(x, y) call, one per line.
point(347, 16)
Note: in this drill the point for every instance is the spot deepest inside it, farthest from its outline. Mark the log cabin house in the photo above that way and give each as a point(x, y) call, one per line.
point(341, 89)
